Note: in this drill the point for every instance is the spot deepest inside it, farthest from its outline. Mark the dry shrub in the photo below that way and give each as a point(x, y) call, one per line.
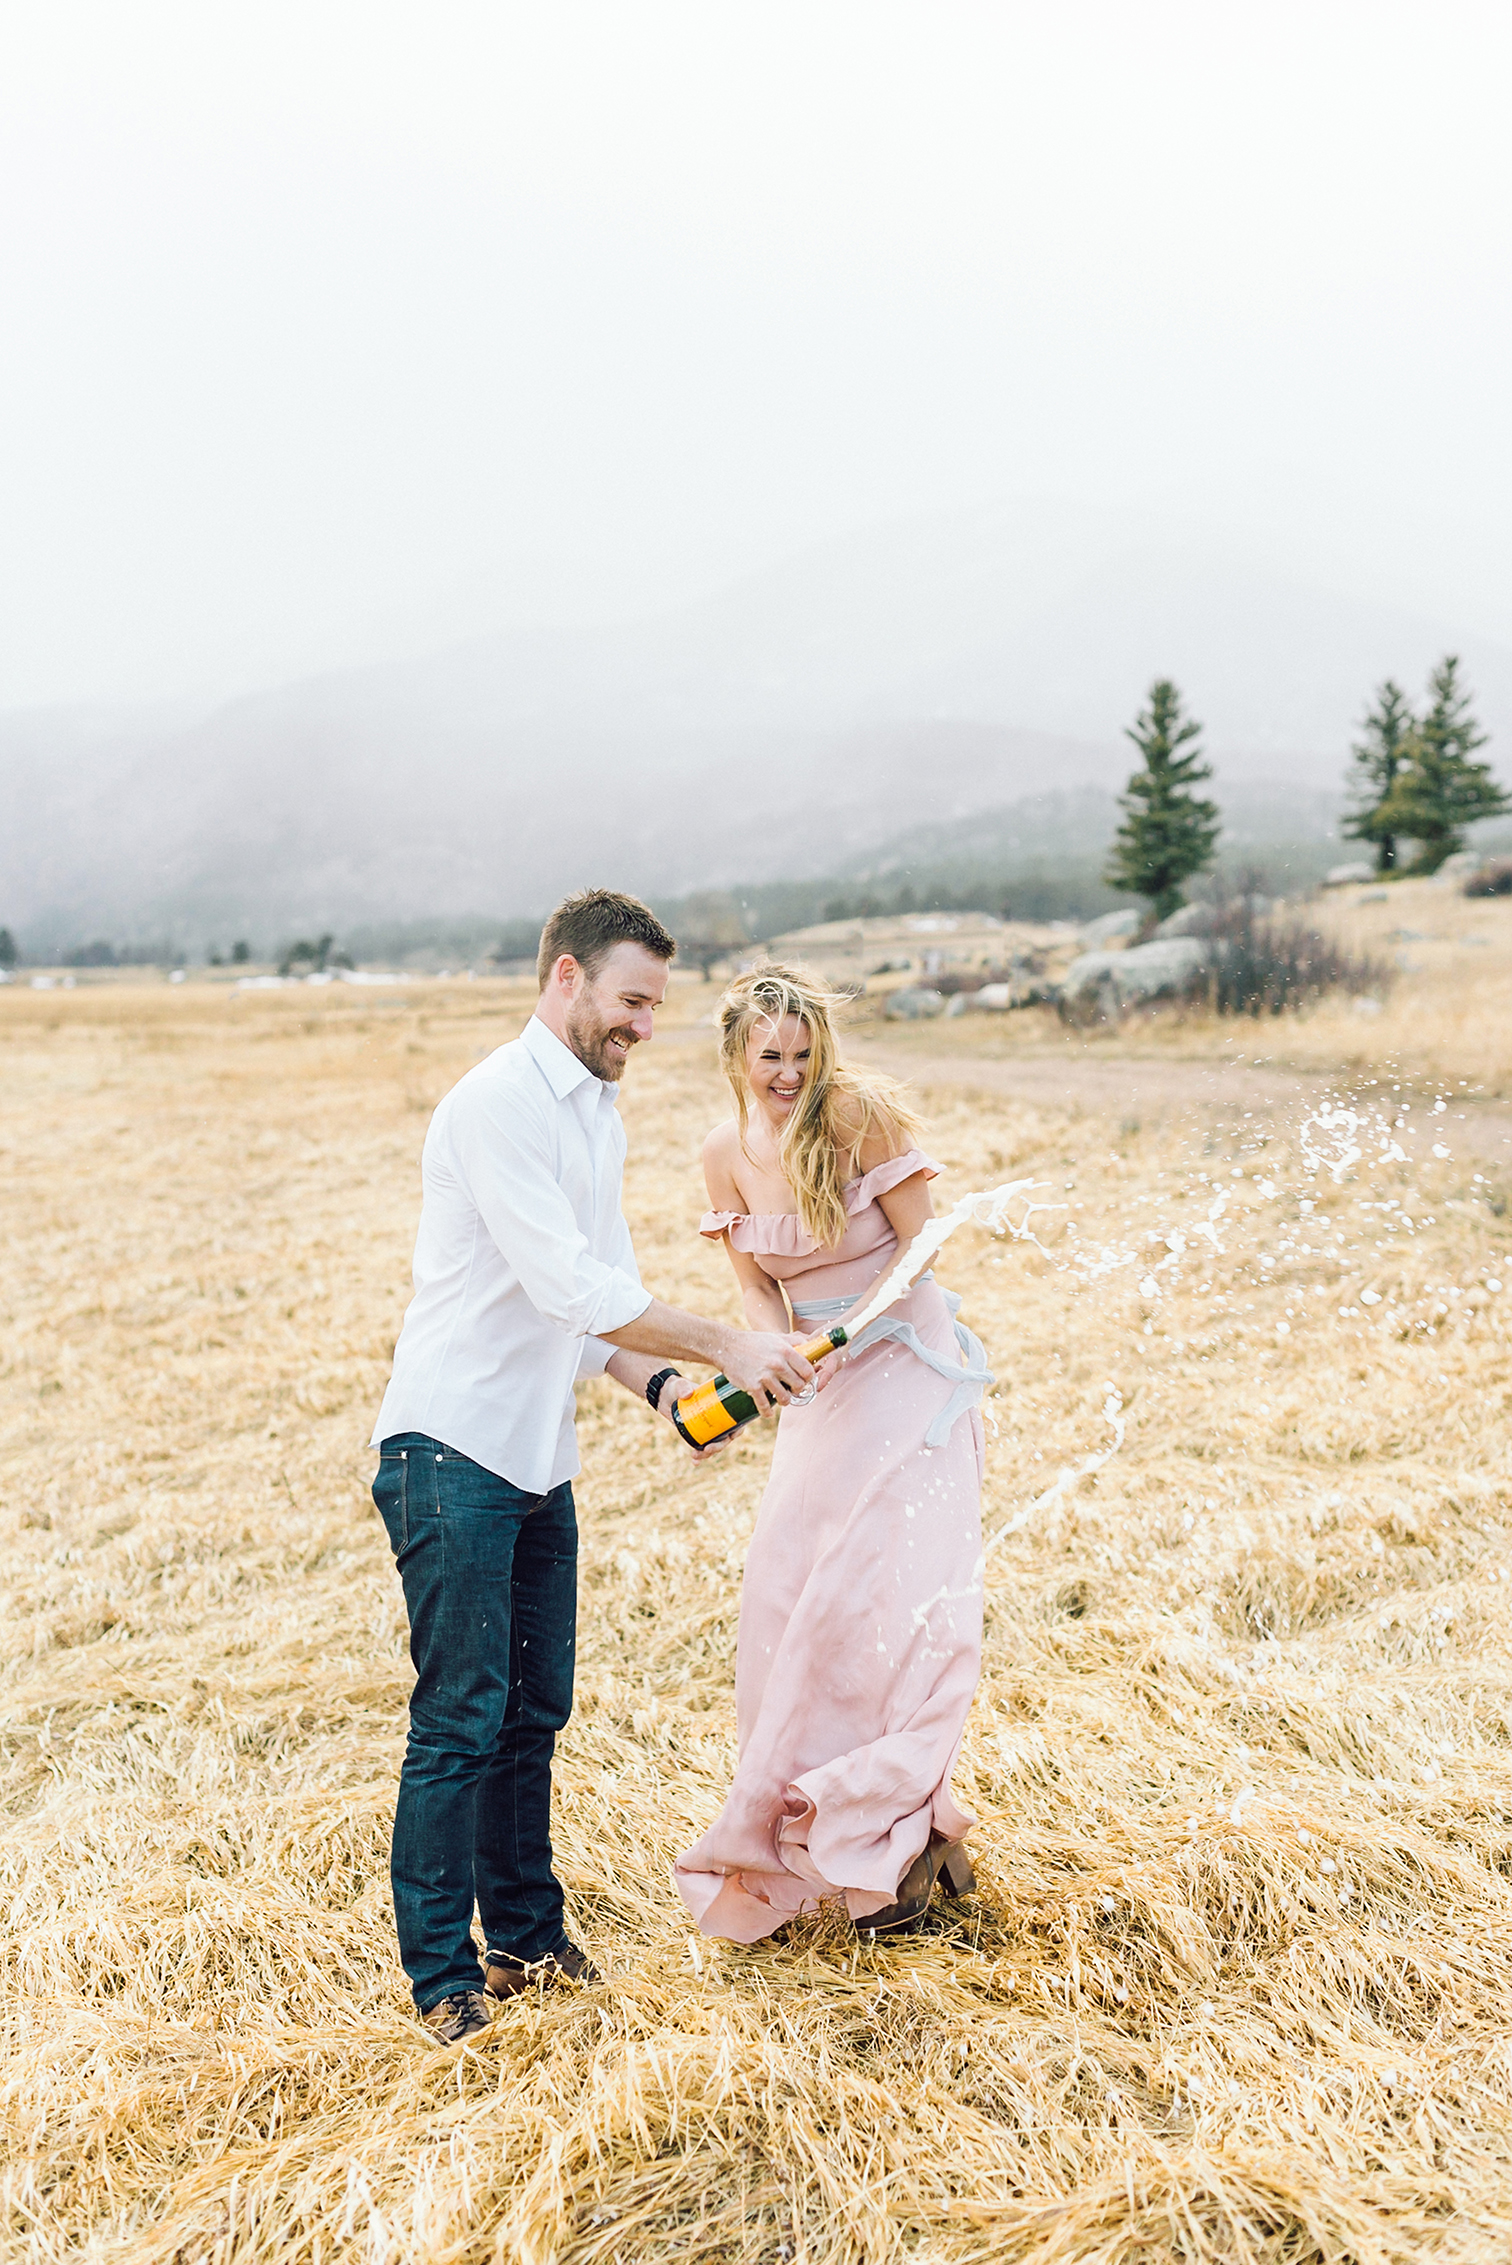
point(1238, 1982)
point(1272, 962)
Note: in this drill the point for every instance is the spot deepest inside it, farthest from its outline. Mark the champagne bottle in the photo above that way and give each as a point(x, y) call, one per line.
point(710, 1410)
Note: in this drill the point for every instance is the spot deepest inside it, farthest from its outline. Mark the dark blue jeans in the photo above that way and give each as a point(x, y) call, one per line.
point(490, 1579)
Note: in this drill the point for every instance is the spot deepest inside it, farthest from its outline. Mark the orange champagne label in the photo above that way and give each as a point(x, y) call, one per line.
point(704, 1415)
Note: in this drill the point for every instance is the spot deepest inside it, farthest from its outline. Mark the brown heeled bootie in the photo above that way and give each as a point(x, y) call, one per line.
point(942, 1859)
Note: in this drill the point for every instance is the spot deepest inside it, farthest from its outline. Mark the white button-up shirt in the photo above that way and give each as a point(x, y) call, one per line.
point(522, 1256)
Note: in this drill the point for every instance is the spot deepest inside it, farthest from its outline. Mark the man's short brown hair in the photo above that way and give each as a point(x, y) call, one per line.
point(589, 924)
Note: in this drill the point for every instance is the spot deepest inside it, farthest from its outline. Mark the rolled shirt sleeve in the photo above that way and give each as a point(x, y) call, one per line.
point(594, 1357)
point(596, 1353)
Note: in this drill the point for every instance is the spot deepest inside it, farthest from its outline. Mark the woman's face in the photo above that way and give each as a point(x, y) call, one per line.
point(777, 1060)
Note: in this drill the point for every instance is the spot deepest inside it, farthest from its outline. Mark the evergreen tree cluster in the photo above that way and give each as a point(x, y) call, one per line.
point(1416, 778)
point(315, 958)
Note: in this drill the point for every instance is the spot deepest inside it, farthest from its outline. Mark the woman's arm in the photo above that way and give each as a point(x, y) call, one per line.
point(909, 1204)
point(765, 1305)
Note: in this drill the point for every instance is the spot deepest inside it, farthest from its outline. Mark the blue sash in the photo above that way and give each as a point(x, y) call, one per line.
point(971, 1376)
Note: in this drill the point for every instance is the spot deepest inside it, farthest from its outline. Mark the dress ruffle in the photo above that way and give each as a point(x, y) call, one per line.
point(781, 1234)
point(821, 1817)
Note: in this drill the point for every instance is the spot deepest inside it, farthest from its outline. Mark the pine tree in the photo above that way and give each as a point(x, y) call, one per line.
point(8, 952)
point(1441, 790)
point(1168, 832)
point(1379, 760)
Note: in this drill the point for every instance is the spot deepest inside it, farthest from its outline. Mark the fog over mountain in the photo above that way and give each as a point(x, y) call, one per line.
point(788, 725)
point(693, 447)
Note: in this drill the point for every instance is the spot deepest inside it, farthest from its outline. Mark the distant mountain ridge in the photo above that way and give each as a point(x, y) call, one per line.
point(1286, 821)
point(795, 723)
point(1040, 857)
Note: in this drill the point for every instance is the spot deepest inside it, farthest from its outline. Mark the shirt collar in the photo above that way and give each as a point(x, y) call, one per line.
point(564, 1072)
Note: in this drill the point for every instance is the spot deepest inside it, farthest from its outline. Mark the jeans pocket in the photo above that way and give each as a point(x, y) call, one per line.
point(391, 1494)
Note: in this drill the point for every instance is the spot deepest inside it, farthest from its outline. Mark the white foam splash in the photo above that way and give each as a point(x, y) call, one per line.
point(1072, 1475)
point(1347, 1140)
point(1316, 1226)
point(988, 1208)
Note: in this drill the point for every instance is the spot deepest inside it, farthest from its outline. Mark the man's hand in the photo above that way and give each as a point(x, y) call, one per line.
point(761, 1361)
point(822, 1372)
point(766, 1365)
point(667, 1399)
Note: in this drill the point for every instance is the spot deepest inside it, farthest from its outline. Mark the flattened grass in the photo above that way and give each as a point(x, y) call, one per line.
point(1238, 1984)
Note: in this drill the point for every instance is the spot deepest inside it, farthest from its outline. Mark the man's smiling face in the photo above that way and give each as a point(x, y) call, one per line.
point(611, 1011)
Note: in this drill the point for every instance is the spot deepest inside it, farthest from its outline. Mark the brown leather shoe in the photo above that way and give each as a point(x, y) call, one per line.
point(943, 1859)
point(505, 1976)
point(457, 2020)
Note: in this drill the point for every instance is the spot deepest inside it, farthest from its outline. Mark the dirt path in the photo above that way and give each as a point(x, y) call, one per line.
point(1150, 1090)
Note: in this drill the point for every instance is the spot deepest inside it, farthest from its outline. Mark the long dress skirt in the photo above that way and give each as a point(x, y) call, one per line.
point(860, 1643)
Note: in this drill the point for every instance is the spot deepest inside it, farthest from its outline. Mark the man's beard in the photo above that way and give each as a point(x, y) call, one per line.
point(588, 1037)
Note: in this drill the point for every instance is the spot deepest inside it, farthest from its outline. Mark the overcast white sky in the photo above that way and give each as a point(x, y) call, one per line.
point(333, 330)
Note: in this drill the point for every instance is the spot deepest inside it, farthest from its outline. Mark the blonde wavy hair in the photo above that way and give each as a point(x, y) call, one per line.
point(836, 1108)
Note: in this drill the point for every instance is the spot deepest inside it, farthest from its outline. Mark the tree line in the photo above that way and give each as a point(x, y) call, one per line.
point(1414, 777)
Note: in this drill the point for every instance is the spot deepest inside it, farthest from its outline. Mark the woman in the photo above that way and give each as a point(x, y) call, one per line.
point(861, 1613)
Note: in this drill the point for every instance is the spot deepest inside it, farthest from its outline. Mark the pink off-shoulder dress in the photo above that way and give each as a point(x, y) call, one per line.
point(861, 1610)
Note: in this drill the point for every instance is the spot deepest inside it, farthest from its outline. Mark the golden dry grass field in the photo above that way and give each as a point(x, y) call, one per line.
point(1238, 1983)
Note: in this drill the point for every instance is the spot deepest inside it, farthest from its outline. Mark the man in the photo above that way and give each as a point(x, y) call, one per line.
point(525, 1280)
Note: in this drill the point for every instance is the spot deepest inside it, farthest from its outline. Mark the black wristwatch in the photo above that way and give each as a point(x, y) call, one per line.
point(654, 1386)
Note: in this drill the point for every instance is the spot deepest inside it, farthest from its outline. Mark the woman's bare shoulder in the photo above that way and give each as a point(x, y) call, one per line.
point(721, 1159)
point(848, 1119)
point(871, 1136)
point(722, 1143)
